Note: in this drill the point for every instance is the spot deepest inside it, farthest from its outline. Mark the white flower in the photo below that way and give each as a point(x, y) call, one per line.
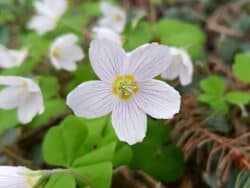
point(48, 13)
point(11, 58)
point(127, 88)
point(113, 17)
point(18, 177)
point(23, 94)
point(107, 33)
point(181, 66)
point(64, 52)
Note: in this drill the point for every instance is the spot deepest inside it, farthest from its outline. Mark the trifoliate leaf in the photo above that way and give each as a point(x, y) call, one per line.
point(49, 86)
point(182, 35)
point(62, 143)
point(99, 155)
point(8, 119)
point(135, 37)
point(241, 67)
point(161, 160)
point(213, 85)
point(96, 176)
point(238, 98)
point(61, 181)
point(53, 108)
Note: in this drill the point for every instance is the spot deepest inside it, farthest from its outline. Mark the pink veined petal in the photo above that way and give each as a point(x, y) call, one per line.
point(129, 122)
point(31, 106)
point(11, 97)
point(158, 99)
point(148, 61)
point(107, 59)
point(91, 99)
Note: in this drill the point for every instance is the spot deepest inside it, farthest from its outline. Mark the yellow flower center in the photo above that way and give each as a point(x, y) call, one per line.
point(117, 17)
point(31, 181)
point(25, 85)
point(125, 87)
point(56, 52)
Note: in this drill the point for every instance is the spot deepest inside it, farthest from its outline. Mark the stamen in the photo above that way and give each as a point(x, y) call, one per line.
point(117, 17)
point(125, 87)
point(56, 52)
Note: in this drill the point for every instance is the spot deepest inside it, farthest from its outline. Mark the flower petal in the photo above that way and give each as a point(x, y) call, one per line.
point(58, 6)
point(31, 106)
point(113, 17)
point(6, 60)
point(41, 24)
point(181, 66)
point(158, 99)
point(148, 61)
point(107, 59)
point(67, 65)
point(107, 33)
point(91, 99)
point(129, 122)
point(106, 8)
point(11, 97)
point(17, 177)
point(19, 56)
point(71, 53)
point(19, 81)
point(186, 73)
point(11, 80)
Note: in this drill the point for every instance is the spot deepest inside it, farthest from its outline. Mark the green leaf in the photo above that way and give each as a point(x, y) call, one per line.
point(241, 67)
point(99, 155)
point(135, 37)
point(154, 156)
point(4, 34)
point(96, 129)
point(213, 85)
point(36, 51)
point(238, 98)
point(62, 143)
point(53, 108)
point(98, 175)
point(49, 86)
point(220, 105)
point(61, 181)
point(214, 88)
point(8, 119)
point(123, 155)
point(182, 35)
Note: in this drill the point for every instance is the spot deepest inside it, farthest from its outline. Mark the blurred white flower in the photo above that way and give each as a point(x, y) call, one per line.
point(106, 33)
point(113, 17)
point(64, 52)
point(48, 13)
point(181, 66)
point(127, 88)
point(11, 58)
point(23, 94)
point(18, 177)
